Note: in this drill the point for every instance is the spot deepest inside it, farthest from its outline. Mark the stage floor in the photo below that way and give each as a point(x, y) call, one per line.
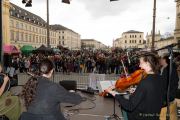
point(101, 108)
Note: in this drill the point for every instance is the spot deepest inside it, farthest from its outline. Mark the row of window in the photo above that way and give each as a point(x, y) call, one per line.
point(24, 26)
point(133, 36)
point(19, 36)
point(132, 41)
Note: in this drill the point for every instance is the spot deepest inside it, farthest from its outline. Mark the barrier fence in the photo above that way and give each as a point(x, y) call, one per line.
point(81, 79)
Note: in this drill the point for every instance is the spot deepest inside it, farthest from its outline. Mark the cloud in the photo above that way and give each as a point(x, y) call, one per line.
point(101, 8)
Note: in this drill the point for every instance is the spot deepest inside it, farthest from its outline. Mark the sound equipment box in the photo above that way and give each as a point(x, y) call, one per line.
point(69, 84)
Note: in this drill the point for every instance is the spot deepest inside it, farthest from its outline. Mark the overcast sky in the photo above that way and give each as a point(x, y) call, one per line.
point(103, 20)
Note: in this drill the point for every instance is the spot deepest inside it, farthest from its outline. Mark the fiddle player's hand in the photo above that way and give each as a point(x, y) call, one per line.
point(110, 90)
point(132, 90)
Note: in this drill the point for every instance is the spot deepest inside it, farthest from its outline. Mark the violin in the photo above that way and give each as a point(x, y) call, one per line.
point(125, 82)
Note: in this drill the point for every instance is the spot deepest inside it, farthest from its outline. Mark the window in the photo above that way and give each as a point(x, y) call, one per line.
point(21, 25)
point(17, 36)
point(22, 36)
point(12, 23)
point(17, 24)
point(125, 41)
point(130, 41)
point(130, 36)
point(135, 36)
point(63, 42)
point(134, 41)
point(140, 36)
point(62, 37)
point(29, 37)
point(139, 41)
point(12, 35)
point(26, 38)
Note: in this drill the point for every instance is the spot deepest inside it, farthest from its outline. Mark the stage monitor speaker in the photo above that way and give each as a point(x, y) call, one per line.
point(69, 84)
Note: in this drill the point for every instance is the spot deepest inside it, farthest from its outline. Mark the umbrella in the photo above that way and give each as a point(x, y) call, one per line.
point(26, 49)
point(10, 49)
point(56, 50)
point(43, 49)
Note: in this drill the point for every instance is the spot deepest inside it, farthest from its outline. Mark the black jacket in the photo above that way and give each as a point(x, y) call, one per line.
point(46, 105)
point(146, 102)
point(173, 83)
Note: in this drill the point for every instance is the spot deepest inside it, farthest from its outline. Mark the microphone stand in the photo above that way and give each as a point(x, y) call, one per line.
point(170, 50)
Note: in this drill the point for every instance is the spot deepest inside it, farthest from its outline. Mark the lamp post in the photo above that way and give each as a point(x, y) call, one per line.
point(48, 39)
point(153, 27)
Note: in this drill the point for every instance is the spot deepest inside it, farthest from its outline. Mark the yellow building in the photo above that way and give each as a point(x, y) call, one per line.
point(67, 37)
point(130, 39)
point(92, 44)
point(177, 27)
point(117, 43)
point(28, 28)
point(5, 21)
point(149, 40)
point(21, 27)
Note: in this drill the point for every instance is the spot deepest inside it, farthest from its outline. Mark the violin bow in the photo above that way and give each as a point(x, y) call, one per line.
point(124, 68)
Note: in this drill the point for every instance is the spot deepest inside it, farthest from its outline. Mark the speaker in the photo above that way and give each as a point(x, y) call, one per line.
point(69, 84)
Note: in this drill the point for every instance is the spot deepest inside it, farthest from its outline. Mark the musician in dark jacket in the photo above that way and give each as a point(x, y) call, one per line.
point(146, 102)
point(43, 97)
point(174, 79)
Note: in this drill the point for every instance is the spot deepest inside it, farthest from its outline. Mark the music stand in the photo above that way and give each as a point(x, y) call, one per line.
point(114, 115)
point(102, 85)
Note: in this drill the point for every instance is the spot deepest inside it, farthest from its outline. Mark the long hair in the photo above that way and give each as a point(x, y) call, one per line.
point(29, 89)
point(153, 60)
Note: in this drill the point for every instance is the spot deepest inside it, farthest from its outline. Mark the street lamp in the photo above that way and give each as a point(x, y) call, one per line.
point(48, 38)
point(153, 27)
point(28, 3)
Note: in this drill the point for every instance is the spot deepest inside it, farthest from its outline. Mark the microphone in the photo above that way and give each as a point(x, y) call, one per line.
point(168, 46)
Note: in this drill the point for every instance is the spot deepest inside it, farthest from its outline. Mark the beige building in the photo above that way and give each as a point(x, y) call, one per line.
point(177, 27)
point(21, 27)
point(28, 28)
point(149, 40)
point(92, 44)
point(117, 43)
point(5, 20)
point(67, 37)
point(130, 39)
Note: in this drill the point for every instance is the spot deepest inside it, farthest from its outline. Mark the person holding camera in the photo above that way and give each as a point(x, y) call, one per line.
point(43, 97)
point(3, 81)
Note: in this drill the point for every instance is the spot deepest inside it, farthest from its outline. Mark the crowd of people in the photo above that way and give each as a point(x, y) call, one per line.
point(42, 96)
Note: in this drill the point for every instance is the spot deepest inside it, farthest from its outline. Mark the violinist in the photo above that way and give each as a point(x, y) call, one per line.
point(145, 103)
point(3, 81)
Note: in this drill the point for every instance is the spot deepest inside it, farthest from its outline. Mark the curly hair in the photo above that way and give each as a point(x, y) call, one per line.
point(29, 91)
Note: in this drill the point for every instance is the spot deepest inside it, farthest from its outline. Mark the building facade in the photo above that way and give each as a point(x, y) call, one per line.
point(92, 44)
point(28, 28)
point(149, 40)
point(21, 27)
point(177, 26)
point(117, 43)
point(67, 37)
point(130, 39)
